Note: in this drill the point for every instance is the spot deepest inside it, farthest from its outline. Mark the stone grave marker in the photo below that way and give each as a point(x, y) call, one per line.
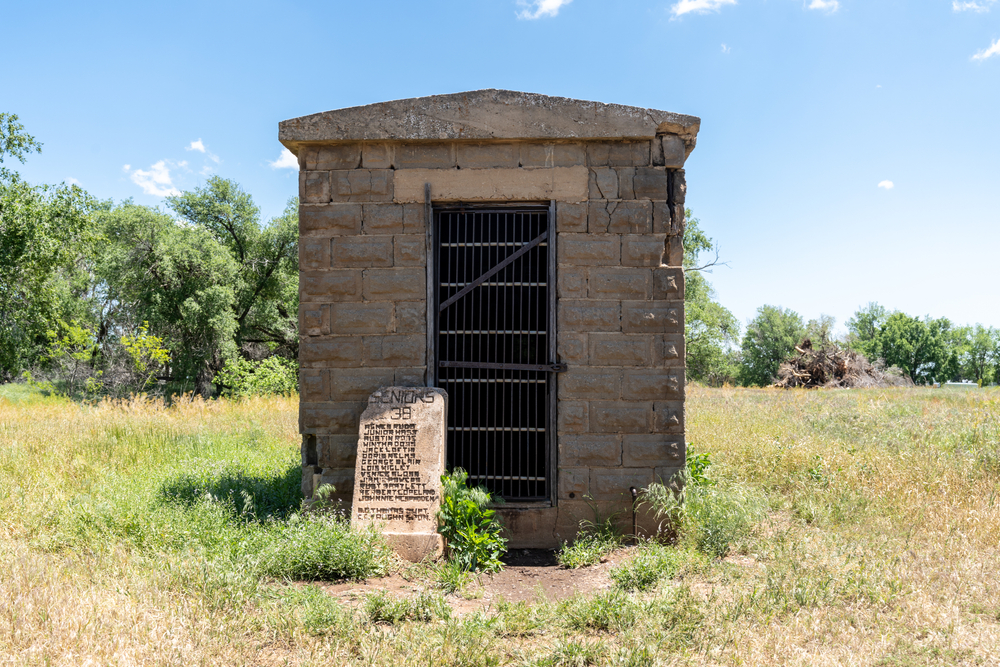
point(399, 466)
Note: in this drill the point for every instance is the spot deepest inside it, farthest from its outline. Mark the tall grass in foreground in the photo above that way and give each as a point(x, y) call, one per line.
point(132, 533)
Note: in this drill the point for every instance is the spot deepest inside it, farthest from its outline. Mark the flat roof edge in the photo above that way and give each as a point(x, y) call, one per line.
point(485, 115)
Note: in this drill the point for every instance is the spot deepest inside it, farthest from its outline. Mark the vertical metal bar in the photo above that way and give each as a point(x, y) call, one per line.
point(430, 375)
point(551, 431)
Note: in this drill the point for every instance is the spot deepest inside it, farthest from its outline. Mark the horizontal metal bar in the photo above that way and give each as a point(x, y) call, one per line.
point(499, 429)
point(476, 332)
point(548, 368)
point(496, 269)
point(508, 479)
point(495, 380)
point(489, 244)
point(497, 284)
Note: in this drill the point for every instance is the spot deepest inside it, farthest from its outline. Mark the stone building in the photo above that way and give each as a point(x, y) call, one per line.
point(520, 251)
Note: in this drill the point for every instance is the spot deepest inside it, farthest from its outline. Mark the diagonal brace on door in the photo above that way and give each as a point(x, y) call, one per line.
point(495, 270)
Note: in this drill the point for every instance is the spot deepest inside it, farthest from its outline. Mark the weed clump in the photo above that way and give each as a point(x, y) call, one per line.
point(322, 547)
point(652, 564)
point(470, 527)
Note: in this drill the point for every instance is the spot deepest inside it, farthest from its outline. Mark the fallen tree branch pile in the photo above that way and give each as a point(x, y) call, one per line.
point(834, 366)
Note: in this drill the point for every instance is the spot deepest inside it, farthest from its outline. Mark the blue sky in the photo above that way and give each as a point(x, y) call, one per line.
point(849, 149)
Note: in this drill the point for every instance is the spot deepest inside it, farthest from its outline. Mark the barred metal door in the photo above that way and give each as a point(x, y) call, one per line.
point(495, 348)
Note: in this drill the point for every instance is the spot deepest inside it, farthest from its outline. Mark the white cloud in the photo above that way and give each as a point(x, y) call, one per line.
point(888, 185)
point(156, 181)
point(726, 49)
point(825, 5)
point(992, 50)
point(286, 160)
point(72, 181)
point(196, 146)
point(535, 9)
point(972, 5)
point(126, 167)
point(699, 6)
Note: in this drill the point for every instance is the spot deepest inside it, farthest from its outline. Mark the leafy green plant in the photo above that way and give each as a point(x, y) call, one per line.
point(697, 465)
point(146, 356)
point(587, 549)
point(274, 375)
point(470, 527)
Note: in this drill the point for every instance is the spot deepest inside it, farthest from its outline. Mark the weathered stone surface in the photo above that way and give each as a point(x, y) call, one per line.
point(363, 318)
point(652, 317)
point(411, 316)
point(314, 385)
point(488, 156)
point(314, 187)
point(618, 153)
point(330, 352)
point(611, 483)
point(603, 183)
point(338, 285)
point(329, 219)
point(590, 450)
point(630, 217)
point(401, 350)
point(573, 416)
point(314, 253)
point(328, 417)
point(572, 347)
point(583, 382)
point(574, 482)
point(589, 249)
point(614, 349)
point(651, 451)
point(643, 249)
point(337, 451)
point(674, 151)
point(559, 183)
point(484, 114)
point(409, 250)
point(668, 283)
point(532, 528)
point(650, 183)
point(572, 282)
point(587, 315)
point(571, 217)
point(334, 156)
point(382, 219)
point(360, 185)
point(668, 417)
point(377, 155)
point(553, 155)
point(314, 319)
point(651, 384)
point(428, 156)
point(403, 284)
point(357, 384)
point(361, 251)
point(619, 283)
point(400, 459)
point(620, 417)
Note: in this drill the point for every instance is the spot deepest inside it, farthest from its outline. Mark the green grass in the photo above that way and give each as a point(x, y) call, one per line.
point(841, 527)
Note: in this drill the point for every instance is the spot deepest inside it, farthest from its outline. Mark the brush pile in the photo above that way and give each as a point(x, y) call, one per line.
point(833, 366)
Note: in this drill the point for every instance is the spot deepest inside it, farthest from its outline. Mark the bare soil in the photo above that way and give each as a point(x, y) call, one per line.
point(528, 575)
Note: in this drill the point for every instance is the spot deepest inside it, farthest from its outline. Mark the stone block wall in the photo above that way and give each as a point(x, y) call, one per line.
point(620, 290)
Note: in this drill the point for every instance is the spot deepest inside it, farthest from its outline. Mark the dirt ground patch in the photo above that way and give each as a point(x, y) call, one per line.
point(528, 575)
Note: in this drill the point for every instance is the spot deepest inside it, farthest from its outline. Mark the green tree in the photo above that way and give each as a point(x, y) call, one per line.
point(915, 346)
point(42, 231)
point(771, 338)
point(265, 287)
point(982, 354)
point(864, 328)
point(177, 278)
point(710, 330)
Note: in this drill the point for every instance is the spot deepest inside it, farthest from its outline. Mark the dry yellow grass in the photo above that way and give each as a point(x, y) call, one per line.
point(881, 547)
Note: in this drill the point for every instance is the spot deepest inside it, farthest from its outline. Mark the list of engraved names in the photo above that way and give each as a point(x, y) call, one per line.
point(389, 471)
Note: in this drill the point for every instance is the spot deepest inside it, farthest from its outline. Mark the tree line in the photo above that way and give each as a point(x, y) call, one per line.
point(105, 298)
point(926, 350)
point(99, 298)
